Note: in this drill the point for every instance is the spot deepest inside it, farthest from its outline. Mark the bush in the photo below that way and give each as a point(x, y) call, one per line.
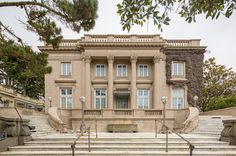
point(221, 102)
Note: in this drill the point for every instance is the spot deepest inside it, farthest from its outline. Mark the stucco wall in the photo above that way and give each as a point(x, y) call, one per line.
point(226, 111)
point(193, 70)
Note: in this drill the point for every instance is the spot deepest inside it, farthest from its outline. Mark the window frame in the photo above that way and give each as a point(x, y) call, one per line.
point(143, 97)
point(139, 70)
point(178, 98)
point(67, 97)
point(177, 73)
point(126, 70)
point(100, 69)
point(67, 72)
point(100, 97)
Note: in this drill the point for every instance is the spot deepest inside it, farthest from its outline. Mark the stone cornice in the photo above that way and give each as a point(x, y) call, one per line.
point(121, 44)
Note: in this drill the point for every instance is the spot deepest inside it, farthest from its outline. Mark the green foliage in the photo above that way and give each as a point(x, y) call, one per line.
point(221, 102)
point(139, 11)
point(219, 84)
point(42, 15)
point(22, 69)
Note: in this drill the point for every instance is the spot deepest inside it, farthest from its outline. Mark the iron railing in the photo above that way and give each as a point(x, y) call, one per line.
point(166, 129)
point(74, 142)
point(191, 146)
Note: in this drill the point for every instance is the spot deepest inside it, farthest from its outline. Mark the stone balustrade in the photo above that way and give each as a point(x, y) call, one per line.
point(68, 43)
point(8, 92)
point(228, 134)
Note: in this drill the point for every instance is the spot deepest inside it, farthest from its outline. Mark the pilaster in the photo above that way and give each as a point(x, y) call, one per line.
point(110, 60)
point(133, 60)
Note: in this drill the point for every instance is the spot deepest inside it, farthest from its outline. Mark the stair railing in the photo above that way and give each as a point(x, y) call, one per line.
point(81, 134)
point(191, 146)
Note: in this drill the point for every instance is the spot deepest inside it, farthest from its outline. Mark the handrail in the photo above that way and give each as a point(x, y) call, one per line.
point(74, 142)
point(191, 146)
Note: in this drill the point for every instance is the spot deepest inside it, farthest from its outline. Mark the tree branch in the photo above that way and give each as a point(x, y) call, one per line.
point(26, 3)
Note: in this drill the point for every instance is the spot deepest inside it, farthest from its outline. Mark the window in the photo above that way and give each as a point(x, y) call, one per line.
point(100, 70)
point(66, 98)
point(178, 98)
point(143, 98)
point(100, 98)
point(177, 69)
point(66, 68)
point(143, 70)
point(121, 70)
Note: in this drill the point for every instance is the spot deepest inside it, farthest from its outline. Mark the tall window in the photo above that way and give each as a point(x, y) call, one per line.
point(100, 98)
point(177, 69)
point(66, 98)
point(178, 98)
point(122, 70)
point(100, 70)
point(143, 70)
point(143, 98)
point(66, 68)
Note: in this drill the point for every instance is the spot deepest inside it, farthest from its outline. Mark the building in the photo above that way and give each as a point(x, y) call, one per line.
point(123, 78)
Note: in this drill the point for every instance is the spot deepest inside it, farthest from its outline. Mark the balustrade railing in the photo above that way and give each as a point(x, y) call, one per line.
point(153, 112)
point(93, 112)
point(123, 112)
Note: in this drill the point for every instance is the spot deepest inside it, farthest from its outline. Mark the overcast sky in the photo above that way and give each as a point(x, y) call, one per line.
point(219, 35)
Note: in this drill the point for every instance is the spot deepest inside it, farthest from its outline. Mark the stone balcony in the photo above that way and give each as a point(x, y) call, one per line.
point(130, 39)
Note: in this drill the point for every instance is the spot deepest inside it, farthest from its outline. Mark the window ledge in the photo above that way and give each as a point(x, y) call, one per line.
point(65, 81)
point(65, 76)
point(144, 81)
point(99, 81)
point(122, 81)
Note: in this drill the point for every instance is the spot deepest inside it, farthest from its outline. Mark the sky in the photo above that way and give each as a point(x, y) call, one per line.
point(218, 35)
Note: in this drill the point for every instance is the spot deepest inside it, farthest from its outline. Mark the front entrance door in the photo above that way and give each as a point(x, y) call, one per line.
point(121, 102)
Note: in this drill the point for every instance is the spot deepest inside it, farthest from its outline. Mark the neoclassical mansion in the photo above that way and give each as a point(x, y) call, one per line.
point(123, 78)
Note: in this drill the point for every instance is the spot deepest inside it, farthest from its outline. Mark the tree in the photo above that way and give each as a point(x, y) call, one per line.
point(22, 69)
point(140, 11)
point(42, 14)
point(219, 83)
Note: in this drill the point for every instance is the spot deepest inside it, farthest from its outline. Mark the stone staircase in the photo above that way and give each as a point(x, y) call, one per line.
point(210, 125)
point(40, 121)
point(125, 144)
point(47, 142)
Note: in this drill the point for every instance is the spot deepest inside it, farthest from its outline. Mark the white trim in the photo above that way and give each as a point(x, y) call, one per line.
point(96, 73)
point(68, 68)
point(95, 96)
point(175, 69)
point(67, 97)
point(139, 70)
point(143, 97)
point(180, 97)
point(122, 74)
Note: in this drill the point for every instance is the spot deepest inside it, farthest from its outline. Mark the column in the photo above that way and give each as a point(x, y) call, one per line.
point(156, 81)
point(88, 103)
point(133, 60)
point(110, 82)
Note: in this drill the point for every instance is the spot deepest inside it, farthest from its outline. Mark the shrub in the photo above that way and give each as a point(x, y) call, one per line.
point(221, 102)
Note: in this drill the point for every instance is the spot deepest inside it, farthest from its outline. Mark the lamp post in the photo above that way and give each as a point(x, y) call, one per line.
point(164, 100)
point(164, 128)
point(50, 101)
point(195, 98)
point(82, 126)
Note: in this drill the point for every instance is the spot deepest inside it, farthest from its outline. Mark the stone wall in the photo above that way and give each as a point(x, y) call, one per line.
point(193, 69)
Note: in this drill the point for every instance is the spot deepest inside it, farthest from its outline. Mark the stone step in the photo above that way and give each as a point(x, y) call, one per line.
point(123, 148)
point(119, 153)
point(84, 143)
point(162, 138)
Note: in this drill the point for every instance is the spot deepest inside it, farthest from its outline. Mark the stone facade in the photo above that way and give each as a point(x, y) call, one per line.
point(123, 78)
